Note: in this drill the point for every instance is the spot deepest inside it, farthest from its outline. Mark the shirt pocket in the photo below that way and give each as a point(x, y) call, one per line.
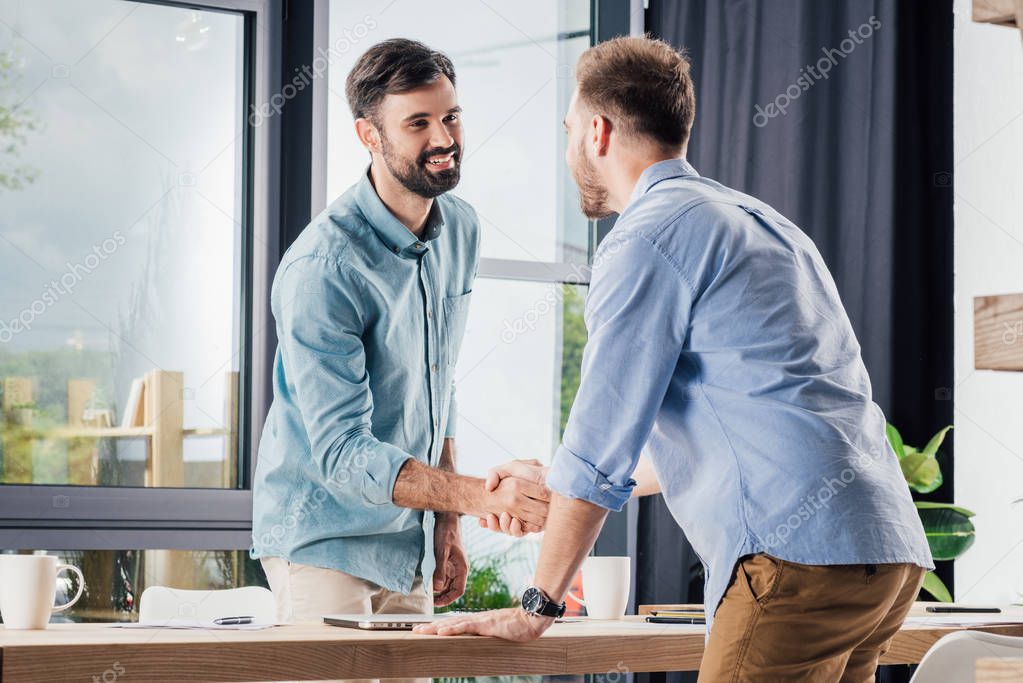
point(456, 312)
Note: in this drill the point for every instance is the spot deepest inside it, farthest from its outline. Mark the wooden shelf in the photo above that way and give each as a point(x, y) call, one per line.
point(117, 432)
point(90, 433)
point(206, 431)
point(1001, 12)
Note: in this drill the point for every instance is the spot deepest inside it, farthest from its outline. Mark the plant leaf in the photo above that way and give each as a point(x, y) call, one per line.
point(932, 446)
point(895, 439)
point(927, 505)
point(936, 587)
point(949, 533)
point(922, 472)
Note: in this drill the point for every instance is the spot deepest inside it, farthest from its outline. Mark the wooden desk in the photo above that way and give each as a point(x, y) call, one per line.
point(316, 651)
point(999, 670)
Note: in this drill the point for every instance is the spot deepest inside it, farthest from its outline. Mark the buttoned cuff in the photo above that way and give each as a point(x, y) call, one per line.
point(574, 477)
point(382, 467)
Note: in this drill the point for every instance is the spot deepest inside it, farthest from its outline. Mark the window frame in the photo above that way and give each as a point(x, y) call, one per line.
point(62, 517)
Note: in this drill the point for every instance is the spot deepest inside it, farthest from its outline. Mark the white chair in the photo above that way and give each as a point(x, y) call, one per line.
point(163, 606)
point(953, 659)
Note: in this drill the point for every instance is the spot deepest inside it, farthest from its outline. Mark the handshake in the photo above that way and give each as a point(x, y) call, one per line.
point(515, 498)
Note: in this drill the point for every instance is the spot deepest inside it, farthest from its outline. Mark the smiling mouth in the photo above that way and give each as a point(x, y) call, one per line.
point(441, 162)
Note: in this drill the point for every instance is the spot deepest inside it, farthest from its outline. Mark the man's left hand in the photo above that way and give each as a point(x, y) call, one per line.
point(452, 565)
point(510, 624)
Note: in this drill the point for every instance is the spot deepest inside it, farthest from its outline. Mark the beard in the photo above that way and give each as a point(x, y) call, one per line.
point(592, 194)
point(415, 176)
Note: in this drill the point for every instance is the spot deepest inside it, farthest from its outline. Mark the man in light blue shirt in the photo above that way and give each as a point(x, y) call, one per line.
point(370, 303)
point(719, 349)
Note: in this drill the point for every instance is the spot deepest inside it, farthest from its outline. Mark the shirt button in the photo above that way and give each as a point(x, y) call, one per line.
point(434, 367)
point(429, 313)
point(436, 422)
point(605, 487)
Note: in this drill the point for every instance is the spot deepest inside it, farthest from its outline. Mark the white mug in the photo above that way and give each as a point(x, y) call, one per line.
point(606, 582)
point(28, 587)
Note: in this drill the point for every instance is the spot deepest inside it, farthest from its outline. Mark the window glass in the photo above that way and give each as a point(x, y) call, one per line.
point(121, 202)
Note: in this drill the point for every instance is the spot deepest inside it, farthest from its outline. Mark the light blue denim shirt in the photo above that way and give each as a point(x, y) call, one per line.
point(719, 347)
point(369, 322)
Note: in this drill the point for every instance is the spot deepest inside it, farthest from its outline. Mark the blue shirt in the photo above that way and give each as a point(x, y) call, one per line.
point(369, 322)
point(719, 347)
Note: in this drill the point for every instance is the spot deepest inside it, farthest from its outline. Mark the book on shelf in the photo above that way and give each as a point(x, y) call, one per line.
point(133, 407)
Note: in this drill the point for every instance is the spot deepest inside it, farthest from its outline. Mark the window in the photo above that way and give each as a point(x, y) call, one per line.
point(135, 245)
point(519, 364)
point(121, 313)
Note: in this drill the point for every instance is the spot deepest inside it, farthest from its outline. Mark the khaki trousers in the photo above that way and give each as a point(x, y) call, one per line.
point(304, 594)
point(783, 621)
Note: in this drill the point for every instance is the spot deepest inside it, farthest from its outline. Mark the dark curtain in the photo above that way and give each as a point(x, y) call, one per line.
point(857, 151)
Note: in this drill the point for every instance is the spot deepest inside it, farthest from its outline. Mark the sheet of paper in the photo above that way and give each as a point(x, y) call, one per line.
point(965, 620)
point(196, 625)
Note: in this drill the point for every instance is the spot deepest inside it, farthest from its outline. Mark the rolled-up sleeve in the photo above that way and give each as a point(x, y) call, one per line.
point(637, 317)
point(320, 327)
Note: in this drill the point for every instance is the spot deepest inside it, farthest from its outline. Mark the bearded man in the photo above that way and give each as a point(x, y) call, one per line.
point(356, 501)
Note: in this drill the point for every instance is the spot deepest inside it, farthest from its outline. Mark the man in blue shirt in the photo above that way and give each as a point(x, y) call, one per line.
point(718, 348)
point(370, 304)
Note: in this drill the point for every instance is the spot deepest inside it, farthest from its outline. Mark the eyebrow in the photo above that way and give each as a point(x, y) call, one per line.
point(423, 114)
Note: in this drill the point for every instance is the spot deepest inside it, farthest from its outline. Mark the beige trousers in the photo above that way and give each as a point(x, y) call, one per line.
point(304, 594)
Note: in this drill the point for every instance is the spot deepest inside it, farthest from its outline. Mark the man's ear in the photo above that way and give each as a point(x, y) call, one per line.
point(368, 135)
point(600, 127)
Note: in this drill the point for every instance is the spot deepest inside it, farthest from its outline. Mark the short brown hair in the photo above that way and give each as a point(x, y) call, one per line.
point(640, 84)
point(393, 66)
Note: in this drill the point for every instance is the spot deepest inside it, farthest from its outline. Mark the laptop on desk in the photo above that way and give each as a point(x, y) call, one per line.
point(381, 622)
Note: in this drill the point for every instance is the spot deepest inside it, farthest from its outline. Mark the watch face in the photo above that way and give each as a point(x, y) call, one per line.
point(531, 599)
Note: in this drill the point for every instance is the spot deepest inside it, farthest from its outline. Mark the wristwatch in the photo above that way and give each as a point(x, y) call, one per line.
point(534, 601)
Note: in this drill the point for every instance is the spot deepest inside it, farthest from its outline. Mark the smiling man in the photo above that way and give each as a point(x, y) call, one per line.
point(370, 304)
point(719, 348)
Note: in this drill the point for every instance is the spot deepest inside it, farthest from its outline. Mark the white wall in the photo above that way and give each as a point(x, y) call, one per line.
point(988, 177)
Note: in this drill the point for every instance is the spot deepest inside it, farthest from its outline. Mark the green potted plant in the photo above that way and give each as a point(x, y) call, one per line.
point(485, 589)
point(949, 530)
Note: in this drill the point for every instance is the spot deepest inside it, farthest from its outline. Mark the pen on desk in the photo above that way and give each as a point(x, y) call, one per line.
point(233, 621)
point(676, 620)
point(955, 609)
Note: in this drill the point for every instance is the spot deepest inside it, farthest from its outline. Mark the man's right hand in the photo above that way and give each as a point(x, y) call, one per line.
point(530, 476)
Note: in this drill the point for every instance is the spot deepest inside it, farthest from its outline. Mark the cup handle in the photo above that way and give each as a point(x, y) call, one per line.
point(81, 586)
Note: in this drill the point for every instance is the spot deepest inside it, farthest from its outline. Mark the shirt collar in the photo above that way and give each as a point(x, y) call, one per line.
point(392, 232)
point(662, 170)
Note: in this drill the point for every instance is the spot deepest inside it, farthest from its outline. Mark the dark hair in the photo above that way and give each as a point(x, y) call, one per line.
point(642, 85)
point(393, 66)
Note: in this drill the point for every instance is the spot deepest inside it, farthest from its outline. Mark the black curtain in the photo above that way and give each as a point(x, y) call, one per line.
point(850, 136)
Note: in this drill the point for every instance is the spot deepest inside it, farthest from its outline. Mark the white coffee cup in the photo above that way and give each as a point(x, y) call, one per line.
point(28, 587)
point(606, 582)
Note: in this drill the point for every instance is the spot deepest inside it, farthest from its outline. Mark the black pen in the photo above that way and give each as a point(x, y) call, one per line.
point(676, 620)
point(233, 621)
point(954, 609)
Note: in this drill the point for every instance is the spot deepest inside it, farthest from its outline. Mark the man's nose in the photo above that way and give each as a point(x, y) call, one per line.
point(440, 136)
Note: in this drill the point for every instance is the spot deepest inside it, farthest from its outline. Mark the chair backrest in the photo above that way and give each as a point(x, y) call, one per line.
point(163, 606)
point(953, 658)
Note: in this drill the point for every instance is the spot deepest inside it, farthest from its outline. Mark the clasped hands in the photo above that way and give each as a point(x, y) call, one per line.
point(514, 501)
point(517, 498)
